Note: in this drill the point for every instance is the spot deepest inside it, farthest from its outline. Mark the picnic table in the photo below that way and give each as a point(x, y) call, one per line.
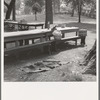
point(13, 36)
point(10, 24)
point(21, 38)
point(22, 26)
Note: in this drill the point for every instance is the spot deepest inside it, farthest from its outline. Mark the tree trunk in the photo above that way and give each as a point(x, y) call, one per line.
point(48, 12)
point(79, 11)
point(35, 16)
point(73, 7)
point(72, 12)
point(90, 60)
point(58, 4)
point(14, 13)
point(54, 6)
point(10, 8)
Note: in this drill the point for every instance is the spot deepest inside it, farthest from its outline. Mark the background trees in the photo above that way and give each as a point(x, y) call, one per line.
point(31, 2)
point(56, 6)
point(79, 4)
point(50, 7)
point(36, 8)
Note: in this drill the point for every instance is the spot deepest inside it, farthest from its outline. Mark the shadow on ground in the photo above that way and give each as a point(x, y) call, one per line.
point(37, 53)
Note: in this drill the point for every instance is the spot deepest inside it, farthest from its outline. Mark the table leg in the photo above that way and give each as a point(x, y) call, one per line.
point(16, 43)
point(19, 27)
point(75, 42)
point(20, 42)
point(35, 27)
point(32, 41)
point(27, 27)
point(49, 49)
point(42, 26)
point(49, 38)
point(4, 45)
point(76, 33)
point(76, 39)
point(26, 41)
point(63, 35)
point(83, 40)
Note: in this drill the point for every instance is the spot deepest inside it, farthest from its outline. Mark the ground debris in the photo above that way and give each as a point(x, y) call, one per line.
point(41, 66)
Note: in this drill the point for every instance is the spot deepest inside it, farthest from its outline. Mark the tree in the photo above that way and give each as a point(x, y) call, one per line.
point(90, 60)
point(18, 2)
point(56, 5)
point(48, 12)
point(79, 10)
point(36, 8)
point(31, 2)
point(76, 4)
point(10, 8)
point(27, 10)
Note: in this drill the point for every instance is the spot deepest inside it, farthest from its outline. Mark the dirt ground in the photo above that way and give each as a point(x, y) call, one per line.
point(69, 56)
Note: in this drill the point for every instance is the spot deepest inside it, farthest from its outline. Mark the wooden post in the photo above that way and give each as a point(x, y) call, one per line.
point(14, 12)
point(48, 12)
point(79, 10)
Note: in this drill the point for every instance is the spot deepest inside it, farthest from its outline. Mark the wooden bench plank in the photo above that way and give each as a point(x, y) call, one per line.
point(28, 47)
point(26, 35)
point(70, 38)
point(74, 38)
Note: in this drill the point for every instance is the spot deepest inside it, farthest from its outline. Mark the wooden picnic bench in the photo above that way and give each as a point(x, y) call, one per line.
point(21, 26)
point(26, 26)
point(18, 49)
point(24, 36)
point(21, 39)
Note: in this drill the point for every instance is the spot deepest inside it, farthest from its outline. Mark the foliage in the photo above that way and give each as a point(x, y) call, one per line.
point(56, 5)
point(7, 1)
point(5, 9)
point(31, 2)
point(27, 10)
point(18, 2)
point(36, 8)
point(83, 2)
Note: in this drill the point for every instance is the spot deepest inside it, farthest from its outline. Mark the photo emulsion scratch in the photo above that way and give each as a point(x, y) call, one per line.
point(50, 41)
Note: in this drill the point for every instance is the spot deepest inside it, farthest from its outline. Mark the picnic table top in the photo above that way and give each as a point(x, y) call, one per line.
point(27, 23)
point(67, 28)
point(37, 31)
point(12, 22)
point(28, 32)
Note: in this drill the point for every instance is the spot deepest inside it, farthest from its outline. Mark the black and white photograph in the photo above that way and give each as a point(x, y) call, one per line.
point(50, 41)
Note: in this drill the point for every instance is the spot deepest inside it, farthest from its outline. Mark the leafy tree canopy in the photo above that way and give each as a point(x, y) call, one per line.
point(36, 7)
point(82, 1)
point(31, 2)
